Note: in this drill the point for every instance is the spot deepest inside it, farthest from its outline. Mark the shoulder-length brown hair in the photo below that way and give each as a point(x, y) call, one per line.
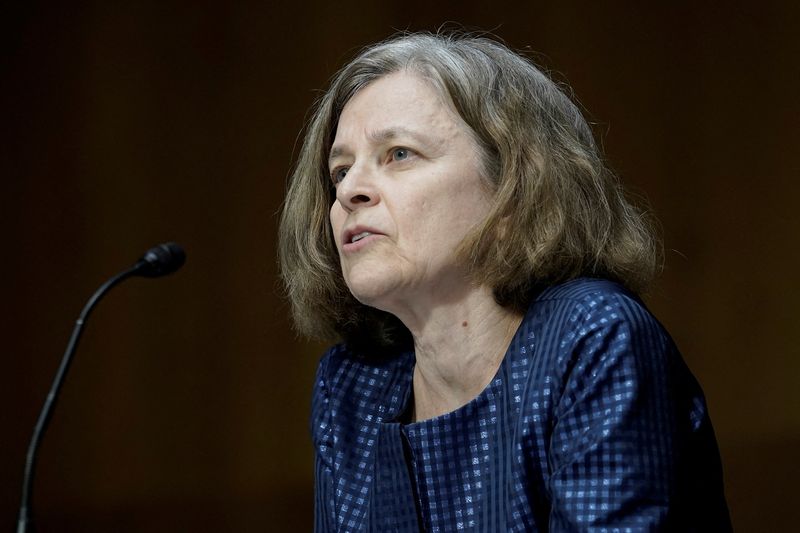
point(558, 212)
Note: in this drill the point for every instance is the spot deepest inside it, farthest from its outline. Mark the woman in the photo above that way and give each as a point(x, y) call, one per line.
point(451, 221)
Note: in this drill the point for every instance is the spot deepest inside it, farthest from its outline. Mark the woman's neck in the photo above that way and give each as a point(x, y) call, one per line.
point(459, 347)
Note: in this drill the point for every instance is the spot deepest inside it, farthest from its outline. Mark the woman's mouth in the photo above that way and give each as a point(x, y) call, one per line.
point(359, 236)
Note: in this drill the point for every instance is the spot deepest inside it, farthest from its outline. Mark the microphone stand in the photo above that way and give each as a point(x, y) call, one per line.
point(47, 410)
point(158, 261)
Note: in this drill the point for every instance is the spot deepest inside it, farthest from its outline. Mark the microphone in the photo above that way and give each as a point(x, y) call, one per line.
point(158, 261)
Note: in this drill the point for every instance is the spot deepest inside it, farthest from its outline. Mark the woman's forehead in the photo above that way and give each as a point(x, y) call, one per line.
point(398, 105)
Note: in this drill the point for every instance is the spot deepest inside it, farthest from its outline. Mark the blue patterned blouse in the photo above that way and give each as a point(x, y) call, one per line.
point(592, 423)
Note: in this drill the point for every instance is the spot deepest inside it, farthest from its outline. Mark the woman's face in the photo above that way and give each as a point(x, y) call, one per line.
point(408, 183)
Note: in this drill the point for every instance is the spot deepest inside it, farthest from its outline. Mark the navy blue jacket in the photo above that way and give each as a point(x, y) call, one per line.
point(592, 423)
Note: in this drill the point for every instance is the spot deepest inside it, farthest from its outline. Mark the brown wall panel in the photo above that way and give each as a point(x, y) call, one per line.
point(130, 123)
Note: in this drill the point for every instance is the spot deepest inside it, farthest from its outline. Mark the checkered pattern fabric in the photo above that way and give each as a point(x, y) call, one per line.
point(592, 423)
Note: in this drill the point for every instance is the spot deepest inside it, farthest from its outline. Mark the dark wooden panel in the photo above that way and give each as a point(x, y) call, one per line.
point(187, 404)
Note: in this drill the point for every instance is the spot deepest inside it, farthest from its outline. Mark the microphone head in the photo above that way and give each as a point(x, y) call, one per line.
point(161, 260)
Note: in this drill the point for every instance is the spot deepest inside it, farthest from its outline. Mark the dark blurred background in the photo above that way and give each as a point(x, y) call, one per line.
point(130, 123)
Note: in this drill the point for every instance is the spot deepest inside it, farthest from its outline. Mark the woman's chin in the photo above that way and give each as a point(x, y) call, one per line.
point(369, 295)
point(372, 290)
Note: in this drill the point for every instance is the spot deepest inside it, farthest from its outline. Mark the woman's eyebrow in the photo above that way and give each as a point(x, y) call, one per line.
point(389, 134)
point(383, 136)
point(336, 151)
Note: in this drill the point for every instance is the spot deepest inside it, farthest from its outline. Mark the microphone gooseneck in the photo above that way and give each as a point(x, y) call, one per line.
point(158, 261)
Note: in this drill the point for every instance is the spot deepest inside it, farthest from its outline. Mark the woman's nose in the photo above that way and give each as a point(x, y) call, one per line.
point(357, 189)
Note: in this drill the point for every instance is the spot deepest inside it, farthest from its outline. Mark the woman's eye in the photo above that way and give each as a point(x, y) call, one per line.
point(400, 154)
point(338, 174)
